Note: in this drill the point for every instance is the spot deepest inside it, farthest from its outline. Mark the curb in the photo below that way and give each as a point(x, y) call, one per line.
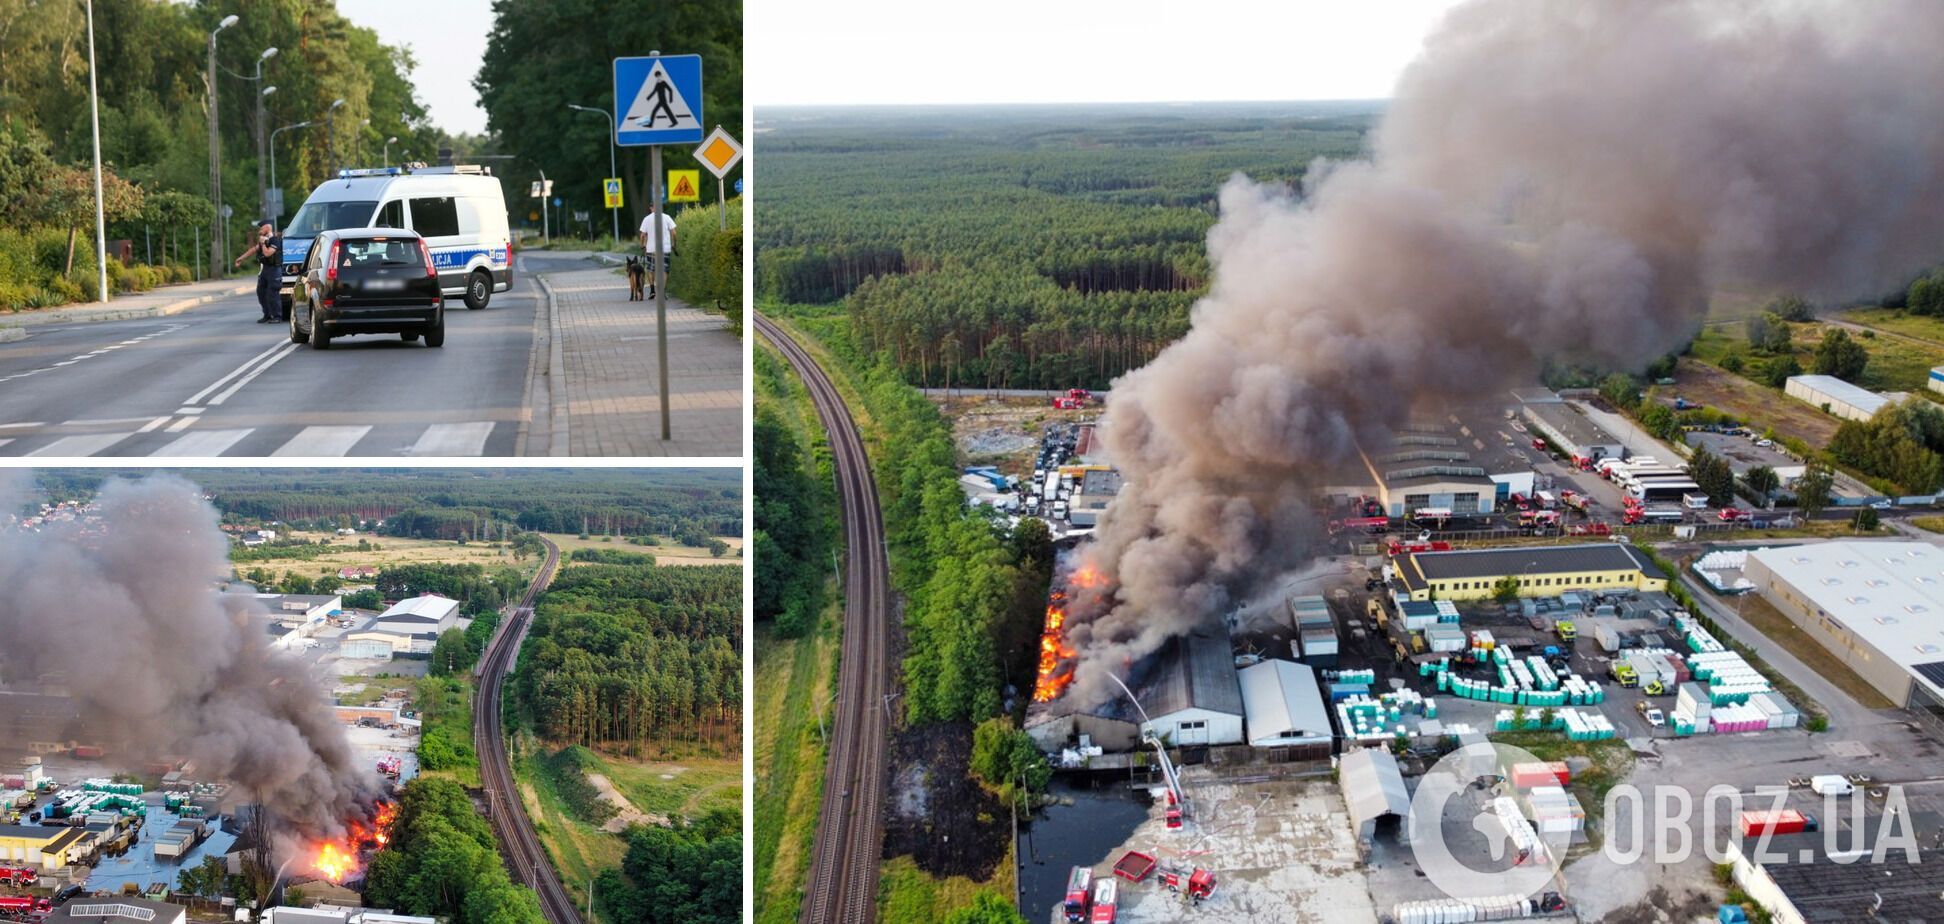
point(557, 420)
point(10, 334)
point(89, 314)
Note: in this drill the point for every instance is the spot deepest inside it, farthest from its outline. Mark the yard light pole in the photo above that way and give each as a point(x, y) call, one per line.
point(101, 222)
point(330, 140)
point(263, 202)
point(215, 159)
point(613, 213)
point(273, 165)
point(388, 143)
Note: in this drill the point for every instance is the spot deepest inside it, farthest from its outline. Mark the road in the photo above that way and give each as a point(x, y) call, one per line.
point(518, 842)
point(210, 381)
point(843, 882)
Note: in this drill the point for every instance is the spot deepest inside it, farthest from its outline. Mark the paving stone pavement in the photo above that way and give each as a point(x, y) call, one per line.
point(611, 406)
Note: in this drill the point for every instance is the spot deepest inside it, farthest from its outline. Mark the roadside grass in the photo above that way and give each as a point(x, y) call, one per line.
point(362, 696)
point(793, 682)
point(1928, 524)
point(1771, 622)
point(907, 893)
point(579, 851)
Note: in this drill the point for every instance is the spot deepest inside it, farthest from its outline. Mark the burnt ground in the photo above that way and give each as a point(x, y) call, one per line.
point(1659, 907)
point(936, 813)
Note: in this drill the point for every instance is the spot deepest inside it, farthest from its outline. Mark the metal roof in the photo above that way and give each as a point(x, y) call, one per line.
point(1372, 785)
point(1195, 671)
point(1281, 704)
point(1551, 559)
point(425, 607)
point(1889, 594)
point(1836, 389)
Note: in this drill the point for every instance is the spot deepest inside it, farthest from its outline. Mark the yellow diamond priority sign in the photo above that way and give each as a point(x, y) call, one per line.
point(684, 185)
point(719, 152)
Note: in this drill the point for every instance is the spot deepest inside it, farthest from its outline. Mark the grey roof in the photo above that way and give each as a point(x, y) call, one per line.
point(1372, 785)
point(1575, 426)
point(1551, 559)
point(1106, 482)
point(118, 908)
point(1826, 890)
point(1281, 701)
point(1195, 671)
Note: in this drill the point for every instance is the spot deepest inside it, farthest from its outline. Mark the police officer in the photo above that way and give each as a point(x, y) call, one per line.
point(267, 250)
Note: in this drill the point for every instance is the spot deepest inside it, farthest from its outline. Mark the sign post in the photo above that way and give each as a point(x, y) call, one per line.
point(647, 91)
point(720, 153)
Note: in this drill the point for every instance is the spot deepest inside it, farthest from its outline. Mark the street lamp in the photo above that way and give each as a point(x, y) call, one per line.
point(263, 204)
point(215, 159)
point(388, 143)
point(273, 165)
point(613, 213)
point(330, 140)
point(101, 222)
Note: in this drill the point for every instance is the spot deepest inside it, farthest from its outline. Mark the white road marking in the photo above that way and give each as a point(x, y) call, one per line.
point(151, 425)
point(206, 443)
point(238, 385)
point(80, 445)
point(189, 410)
point(179, 425)
point(105, 422)
point(23, 426)
point(464, 439)
point(239, 370)
point(322, 441)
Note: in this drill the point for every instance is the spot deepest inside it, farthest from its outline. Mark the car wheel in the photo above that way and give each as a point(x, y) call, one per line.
point(479, 290)
point(435, 335)
point(318, 338)
point(296, 335)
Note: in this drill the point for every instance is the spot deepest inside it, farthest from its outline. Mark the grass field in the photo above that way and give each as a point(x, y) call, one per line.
point(1770, 622)
point(1928, 524)
point(383, 550)
point(907, 893)
point(1927, 329)
point(579, 850)
point(793, 682)
point(668, 553)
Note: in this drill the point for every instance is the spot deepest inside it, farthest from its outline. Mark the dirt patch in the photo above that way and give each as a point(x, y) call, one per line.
point(625, 814)
point(998, 430)
point(1757, 404)
point(939, 816)
point(1659, 907)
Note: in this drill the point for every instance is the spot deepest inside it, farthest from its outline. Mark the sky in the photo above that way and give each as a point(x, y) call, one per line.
point(446, 57)
point(837, 52)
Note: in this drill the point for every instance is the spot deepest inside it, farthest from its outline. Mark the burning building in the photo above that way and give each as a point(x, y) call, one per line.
point(1188, 689)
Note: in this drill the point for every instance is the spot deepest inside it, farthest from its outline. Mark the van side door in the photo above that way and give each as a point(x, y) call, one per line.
point(436, 218)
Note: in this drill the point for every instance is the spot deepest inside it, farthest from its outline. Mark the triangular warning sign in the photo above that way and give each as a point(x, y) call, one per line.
point(683, 188)
point(658, 105)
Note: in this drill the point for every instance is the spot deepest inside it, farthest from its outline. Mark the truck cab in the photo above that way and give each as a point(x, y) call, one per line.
point(1079, 894)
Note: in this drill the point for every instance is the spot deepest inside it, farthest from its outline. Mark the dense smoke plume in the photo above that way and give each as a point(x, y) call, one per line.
point(1564, 180)
point(124, 614)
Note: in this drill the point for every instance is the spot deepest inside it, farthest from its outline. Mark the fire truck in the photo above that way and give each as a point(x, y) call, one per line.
point(19, 877)
point(1106, 892)
point(1073, 400)
point(1079, 890)
point(21, 907)
point(1197, 884)
point(389, 766)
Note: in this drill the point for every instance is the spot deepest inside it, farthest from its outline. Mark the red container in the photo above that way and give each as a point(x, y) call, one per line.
point(1134, 866)
point(1530, 774)
point(87, 752)
point(1787, 821)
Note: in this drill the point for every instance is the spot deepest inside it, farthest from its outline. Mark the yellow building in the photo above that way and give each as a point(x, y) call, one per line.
point(1540, 570)
point(33, 845)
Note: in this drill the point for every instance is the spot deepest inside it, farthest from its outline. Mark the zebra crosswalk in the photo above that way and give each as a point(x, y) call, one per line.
point(464, 439)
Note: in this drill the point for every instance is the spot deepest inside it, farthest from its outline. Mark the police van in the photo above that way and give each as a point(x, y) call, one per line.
point(459, 210)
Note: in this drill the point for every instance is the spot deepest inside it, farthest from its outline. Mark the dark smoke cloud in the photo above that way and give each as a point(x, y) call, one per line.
point(125, 613)
point(1552, 179)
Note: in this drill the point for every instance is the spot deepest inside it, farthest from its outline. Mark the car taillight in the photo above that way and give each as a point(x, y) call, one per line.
point(330, 271)
point(509, 256)
point(426, 252)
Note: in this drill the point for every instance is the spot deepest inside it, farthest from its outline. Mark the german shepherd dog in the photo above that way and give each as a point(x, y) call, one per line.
point(637, 278)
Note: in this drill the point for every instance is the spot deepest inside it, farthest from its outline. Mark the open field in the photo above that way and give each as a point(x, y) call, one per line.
point(689, 788)
point(793, 682)
point(1918, 327)
point(579, 850)
point(667, 553)
point(383, 550)
point(907, 893)
point(1757, 404)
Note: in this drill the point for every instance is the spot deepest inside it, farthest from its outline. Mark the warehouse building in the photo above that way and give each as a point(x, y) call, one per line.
point(120, 909)
point(1550, 416)
point(1540, 570)
point(409, 627)
point(50, 848)
point(1798, 880)
point(1850, 402)
point(1283, 710)
point(1188, 688)
point(1096, 490)
point(1464, 463)
point(1877, 606)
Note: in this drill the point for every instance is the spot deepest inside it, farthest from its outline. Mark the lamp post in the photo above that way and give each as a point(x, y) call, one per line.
point(215, 159)
point(614, 214)
point(273, 164)
point(263, 204)
point(330, 132)
point(94, 116)
point(388, 143)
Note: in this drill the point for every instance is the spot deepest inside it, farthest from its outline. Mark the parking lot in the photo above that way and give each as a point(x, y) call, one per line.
point(1741, 452)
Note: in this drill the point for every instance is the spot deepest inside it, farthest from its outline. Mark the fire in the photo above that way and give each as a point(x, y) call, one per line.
point(1086, 576)
point(333, 862)
point(338, 860)
point(1054, 653)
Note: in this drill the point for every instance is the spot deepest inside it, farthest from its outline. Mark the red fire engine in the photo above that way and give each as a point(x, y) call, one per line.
point(1105, 893)
point(389, 766)
point(1073, 400)
point(21, 906)
point(1198, 884)
point(17, 876)
point(1079, 890)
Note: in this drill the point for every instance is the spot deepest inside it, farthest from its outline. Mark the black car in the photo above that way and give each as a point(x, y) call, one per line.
point(368, 281)
point(67, 892)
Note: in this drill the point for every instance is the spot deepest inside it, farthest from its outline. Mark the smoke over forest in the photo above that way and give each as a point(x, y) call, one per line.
point(1551, 180)
point(126, 617)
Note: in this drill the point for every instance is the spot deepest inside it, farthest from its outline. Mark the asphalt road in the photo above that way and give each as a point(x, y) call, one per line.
point(211, 381)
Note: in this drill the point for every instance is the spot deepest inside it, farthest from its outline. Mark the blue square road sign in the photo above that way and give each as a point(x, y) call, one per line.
point(658, 100)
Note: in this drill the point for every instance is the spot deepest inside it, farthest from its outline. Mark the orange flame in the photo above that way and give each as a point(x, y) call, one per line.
point(338, 860)
point(1054, 653)
point(333, 862)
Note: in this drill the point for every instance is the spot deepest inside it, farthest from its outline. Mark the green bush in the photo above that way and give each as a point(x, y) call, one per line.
point(32, 260)
point(707, 271)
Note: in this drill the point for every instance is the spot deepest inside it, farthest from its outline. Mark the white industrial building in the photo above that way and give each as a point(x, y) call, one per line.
point(1283, 708)
point(1551, 417)
point(1876, 606)
point(1188, 689)
point(1850, 402)
point(1936, 381)
point(408, 627)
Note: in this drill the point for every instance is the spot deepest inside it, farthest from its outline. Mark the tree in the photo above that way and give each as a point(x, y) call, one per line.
point(205, 880)
point(1715, 476)
point(1620, 391)
point(1791, 308)
point(1762, 480)
point(1812, 489)
point(1865, 520)
point(986, 908)
point(1007, 760)
point(1840, 356)
point(1777, 372)
point(717, 547)
point(1733, 363)
point(1926, 295)
point(1768, 333)
point(451, 654)
point(1506, 590)
point(366, 599)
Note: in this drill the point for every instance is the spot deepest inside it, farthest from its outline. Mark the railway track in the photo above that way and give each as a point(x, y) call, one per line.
point(843, 880)
point(518, 842)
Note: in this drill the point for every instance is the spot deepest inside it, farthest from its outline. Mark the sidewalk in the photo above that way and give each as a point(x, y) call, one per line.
point(604, 378)
point(158, 302)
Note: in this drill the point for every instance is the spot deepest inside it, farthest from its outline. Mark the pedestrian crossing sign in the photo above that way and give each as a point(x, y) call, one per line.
point(684, 185)
point(658, 100)
point(611, 190)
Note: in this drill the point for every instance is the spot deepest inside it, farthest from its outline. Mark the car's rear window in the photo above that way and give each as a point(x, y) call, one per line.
point(371, 253)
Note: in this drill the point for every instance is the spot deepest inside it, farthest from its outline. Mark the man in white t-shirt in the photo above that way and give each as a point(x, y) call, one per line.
point(648, 243)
